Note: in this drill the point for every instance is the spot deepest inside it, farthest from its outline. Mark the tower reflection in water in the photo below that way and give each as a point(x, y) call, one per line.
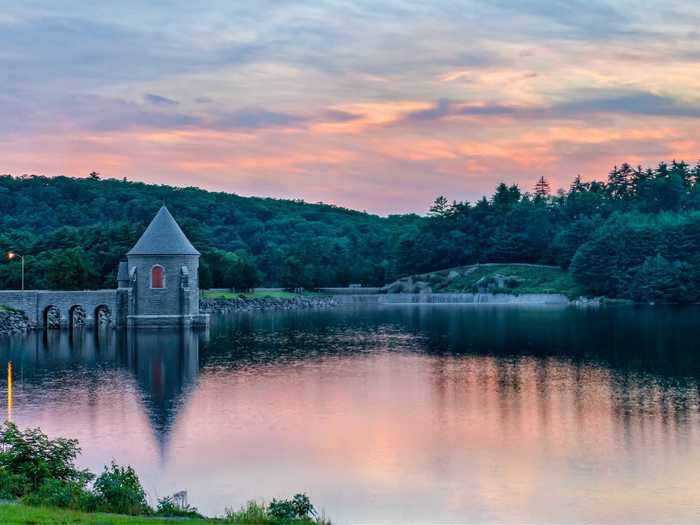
point(115, 370)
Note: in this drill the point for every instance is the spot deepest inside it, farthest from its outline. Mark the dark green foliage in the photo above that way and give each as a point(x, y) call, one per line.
point(71, 269)
point(65, 494)
point(298, 508)
point(118, 489)
point(659, 280)
point(222, 269)
point(41, 472)
point(571, 237)
point(44, 218)
point(74, 232)
point(12, 485)
point(643, 257)
point(30, 458)
point(605, 231)
point(168, 507)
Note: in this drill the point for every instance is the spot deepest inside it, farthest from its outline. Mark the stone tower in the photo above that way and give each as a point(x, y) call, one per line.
point(162, 277)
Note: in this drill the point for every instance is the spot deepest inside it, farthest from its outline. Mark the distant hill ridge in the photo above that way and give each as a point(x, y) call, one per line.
point(632, 236)
point(104, 217)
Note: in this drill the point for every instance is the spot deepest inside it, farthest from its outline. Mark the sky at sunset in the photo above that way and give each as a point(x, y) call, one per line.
point(376, 105)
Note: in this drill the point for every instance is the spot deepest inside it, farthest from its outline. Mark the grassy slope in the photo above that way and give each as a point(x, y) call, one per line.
point(533, 279)
point(20, 514)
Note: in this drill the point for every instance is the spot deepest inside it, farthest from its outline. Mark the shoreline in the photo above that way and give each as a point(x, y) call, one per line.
point(497, 299)
point(13, 322)
point(259, 304)
point(242, 304)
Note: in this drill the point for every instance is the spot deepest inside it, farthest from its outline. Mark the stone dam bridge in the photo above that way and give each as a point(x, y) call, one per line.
point(67, 309)
point(157, 287)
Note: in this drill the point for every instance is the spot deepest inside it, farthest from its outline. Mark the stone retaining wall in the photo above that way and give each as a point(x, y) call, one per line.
point(454, 298)
point(13, 322)
point(265, 303)
point(36, 303)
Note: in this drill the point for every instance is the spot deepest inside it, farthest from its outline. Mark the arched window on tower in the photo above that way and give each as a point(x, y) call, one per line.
point(157, 277)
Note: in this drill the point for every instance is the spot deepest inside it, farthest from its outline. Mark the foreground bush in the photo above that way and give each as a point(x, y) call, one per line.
point(118, 489)
point(168, 507)
point(29, 458)
point(63, 494)
point(41, 472)
point(295, 511)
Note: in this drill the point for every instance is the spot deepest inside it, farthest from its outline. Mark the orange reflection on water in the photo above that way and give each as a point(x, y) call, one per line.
point(9, 390)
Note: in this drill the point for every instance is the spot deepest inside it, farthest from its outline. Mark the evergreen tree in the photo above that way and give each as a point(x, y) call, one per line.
point(620, 181)
point(578, 185)
point(542, 188)
point(440, 208)
point(506, 196)
point(682, 171)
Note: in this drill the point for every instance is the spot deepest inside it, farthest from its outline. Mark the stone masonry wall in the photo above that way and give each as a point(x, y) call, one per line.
point(34, 303)
point(167, 300)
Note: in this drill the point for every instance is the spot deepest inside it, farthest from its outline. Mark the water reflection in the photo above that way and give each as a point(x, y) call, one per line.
point(163, 364)
point(421, 414)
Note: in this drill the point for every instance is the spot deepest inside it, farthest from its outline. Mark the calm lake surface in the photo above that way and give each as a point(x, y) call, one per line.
point(419, 414)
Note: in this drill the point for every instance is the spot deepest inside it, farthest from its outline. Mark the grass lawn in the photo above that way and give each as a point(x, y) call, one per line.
point(533, 278)
point(11, 514)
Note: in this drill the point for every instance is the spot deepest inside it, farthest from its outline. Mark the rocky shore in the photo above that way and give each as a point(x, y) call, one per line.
point(265, 303)
point(12, 322)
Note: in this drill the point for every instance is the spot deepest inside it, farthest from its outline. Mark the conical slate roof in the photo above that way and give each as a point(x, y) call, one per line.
point(163, 237)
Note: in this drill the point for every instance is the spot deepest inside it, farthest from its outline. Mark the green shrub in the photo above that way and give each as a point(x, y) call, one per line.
point(297, 508)
point(12, 485)
point(295, 511)
point(168, 507)
point(253, 513)
point(29, 458)
point(660, 280)
point(118, 489)
point(64, 494)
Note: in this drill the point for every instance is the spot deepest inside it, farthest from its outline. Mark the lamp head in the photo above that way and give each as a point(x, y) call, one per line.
point(11, 255)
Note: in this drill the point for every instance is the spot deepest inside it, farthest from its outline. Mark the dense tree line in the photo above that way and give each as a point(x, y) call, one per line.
point(630, 236)
point(635, 235)
point(74, 231)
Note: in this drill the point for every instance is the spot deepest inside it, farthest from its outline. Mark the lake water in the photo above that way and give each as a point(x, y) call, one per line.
point(397, 414)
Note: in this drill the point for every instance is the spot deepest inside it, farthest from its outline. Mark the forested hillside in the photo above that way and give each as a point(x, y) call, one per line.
point(634, 235)
point(75, 230)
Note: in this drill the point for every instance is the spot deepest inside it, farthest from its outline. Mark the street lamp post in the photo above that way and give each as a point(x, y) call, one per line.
point(13, 255)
